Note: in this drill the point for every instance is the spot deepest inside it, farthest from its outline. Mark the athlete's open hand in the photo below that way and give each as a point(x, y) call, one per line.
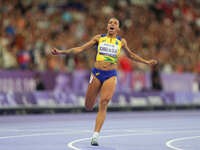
point(55, 51)
point(152, 62)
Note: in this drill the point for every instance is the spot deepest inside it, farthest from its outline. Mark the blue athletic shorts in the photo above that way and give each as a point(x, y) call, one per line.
point(103, 75)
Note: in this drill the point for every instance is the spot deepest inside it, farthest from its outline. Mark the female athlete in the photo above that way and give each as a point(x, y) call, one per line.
point(103, 78)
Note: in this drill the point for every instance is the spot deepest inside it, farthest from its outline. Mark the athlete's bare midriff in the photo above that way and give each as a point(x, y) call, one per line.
point(102, 65)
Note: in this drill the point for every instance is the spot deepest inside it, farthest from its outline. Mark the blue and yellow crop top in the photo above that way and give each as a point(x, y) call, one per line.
point(108, 49)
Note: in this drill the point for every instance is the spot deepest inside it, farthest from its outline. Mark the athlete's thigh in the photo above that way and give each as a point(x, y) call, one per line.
point(92, 91)
point(108, 88)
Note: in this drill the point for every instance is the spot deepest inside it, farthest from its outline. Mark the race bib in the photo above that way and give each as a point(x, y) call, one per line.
point(108, 49)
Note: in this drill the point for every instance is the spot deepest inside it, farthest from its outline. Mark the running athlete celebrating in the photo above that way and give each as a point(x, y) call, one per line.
point(104, 75)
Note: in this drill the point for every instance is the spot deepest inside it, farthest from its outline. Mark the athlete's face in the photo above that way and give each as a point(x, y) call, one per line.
point(113, 26)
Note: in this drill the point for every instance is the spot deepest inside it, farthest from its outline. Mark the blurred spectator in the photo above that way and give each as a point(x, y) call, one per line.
point(166, 29)
point(125, 63)
point(199, 80)
point(23, 58)
point(39, 84)
point(156, 79)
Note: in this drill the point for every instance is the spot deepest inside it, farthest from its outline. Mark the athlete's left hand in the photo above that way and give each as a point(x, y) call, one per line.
point(152, 62)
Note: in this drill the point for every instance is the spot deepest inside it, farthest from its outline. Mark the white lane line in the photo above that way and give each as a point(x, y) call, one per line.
point(169, 143)
point(70, 145)
point(106, 130)
point(56, 133)
point(36, 130)
point(88, 131)
point(41, 134)
point(10, 130)
point(62, 129)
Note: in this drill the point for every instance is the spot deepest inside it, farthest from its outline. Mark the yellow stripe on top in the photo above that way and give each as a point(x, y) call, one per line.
point(108, 49)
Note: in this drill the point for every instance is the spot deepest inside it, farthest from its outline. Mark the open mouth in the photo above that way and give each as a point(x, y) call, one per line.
point(111, 28)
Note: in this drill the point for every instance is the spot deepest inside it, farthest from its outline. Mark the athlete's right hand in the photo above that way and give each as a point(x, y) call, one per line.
point(55, 51)
point(152, 62)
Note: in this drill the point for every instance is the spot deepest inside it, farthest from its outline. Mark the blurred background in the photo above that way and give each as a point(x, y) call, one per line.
point(32, 80)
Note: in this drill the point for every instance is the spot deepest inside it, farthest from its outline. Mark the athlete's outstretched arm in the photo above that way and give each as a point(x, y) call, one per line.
point(136, 57)
point(76, 50)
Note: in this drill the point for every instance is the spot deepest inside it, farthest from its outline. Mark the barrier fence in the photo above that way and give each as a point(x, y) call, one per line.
point(18, 90)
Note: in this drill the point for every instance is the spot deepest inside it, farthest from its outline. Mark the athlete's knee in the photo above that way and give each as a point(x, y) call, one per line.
point(103, 103)
point(88, 105)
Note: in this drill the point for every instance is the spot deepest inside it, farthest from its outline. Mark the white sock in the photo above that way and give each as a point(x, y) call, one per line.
point(95, 135)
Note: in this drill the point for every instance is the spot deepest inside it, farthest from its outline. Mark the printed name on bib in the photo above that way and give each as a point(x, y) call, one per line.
point(108, 49)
